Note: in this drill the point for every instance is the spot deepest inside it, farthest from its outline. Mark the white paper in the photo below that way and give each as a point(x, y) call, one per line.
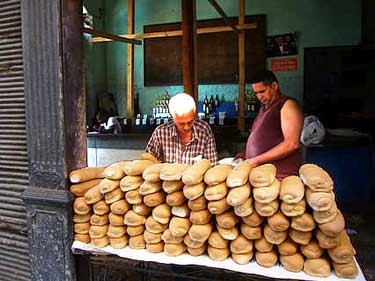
point(276, 271)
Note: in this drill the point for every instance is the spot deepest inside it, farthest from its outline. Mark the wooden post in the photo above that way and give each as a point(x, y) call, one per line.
point(189, 68)
point(241, 64)
point(130, 64)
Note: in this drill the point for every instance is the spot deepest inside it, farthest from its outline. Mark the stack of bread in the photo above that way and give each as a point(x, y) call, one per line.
point(239, 212)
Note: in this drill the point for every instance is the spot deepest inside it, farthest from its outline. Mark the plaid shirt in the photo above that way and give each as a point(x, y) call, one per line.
point(166, 145)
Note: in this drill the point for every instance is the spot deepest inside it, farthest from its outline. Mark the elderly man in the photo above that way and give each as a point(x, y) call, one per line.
point(185, 139)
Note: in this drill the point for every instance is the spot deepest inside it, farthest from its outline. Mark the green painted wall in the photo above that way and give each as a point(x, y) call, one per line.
point(317, 23)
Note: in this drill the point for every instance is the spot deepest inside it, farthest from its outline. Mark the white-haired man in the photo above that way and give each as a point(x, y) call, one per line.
point(185, 139)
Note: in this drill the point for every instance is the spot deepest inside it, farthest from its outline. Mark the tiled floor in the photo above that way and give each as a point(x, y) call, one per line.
point(360, 225)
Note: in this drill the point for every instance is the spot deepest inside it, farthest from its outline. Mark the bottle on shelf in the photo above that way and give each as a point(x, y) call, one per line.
point(217, 102)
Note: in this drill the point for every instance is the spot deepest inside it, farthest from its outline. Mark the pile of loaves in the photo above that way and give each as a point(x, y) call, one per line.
point(239, 212)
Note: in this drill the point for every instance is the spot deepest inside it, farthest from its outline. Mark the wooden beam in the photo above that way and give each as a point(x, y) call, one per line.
point(160, 34)
point(223, 14)
point(130, 65)
point(241, 64)
point(189, 50)
point(110, 36)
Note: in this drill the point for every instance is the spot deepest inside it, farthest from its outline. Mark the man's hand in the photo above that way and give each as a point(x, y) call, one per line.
point(240, 155)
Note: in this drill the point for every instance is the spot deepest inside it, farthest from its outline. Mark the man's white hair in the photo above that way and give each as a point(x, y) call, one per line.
point(181, 104)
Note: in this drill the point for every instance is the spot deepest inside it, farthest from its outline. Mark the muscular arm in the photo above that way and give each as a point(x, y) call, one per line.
point(291, 126)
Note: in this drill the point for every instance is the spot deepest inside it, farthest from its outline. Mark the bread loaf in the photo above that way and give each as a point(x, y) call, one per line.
point(198, 204)
point(262, 175)
point(312, 250)
point(218, 206)
point(120, 207)
point(135, 230)
point(217, 254)
point(133, 219)
point(319, 201)
point(116, 231)
point(292, 189)
point(293, 210)
point(245, 209)
point(241, 245)
point(193, 244)
point(192, 192)
point(267, 209)
point(155, 247)
point(217, 241)
point(80, 206)
point(197, 251)
point(194, 174)
point(179, 226)
point(288, 247)
point(79, 189)
point(267, 194)
point(228, 233)
point(304, 222)
point(227, 219)
point(172, 186)
point(152, 173)
point(154, 226)
point(115, 171)
point(200, 217)
point(238, 195)
point(315, 178)
point(84, 238)
point(200, 232)
point(334, 227)
point(86, 174)
point(175, 198)
point(167, 237)
point(326, 242)
point(326, 216)
point(82, 227)
point(217, 174)
point(151, 238)
point(113, 196)
point(77, 218)
point(266, 259)
point(119, 242)
point(162, 213)
point(344, 251)
point(148, 187)
point(274, 237)
point(293, 263)
point(148, 156)
point(116, 220)
point(130, 183)
point(142, 209)
point(242, 258)
point(172, 171)
point(254, 219)
point(136, 167)
point(216, 192)
point(100, 242)
point(98, 231)
point(346, 270)
point(107, 185)
point(101, 208)
point(154, 199)
point(278, 221)
point(174, 250)
point(300, 237)
point(137, 242)
point(99, 220)
point(262, 245)
point(239, 174)
point(251, 232)
point(317, 267)
point(181, 211)
point(133, 197)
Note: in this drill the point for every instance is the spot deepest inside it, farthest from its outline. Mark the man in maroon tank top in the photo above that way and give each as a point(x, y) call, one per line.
point(275, 133)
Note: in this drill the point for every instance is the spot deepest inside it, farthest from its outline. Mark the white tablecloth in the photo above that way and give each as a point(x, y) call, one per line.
point(185, 259)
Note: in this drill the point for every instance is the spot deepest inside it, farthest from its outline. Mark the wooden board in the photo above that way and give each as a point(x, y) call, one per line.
point(217, 54)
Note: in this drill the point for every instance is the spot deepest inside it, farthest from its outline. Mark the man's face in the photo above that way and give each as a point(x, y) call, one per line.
point(265, 93)
point(184, 123)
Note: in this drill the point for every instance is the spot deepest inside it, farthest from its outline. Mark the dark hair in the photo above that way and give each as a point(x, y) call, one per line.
point(265, 76)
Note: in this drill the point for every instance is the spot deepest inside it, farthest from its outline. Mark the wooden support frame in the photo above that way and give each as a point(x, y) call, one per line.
point(202, 30)
point(111, 37)
point(223, 14)
point(241, 65)
point(130, 64)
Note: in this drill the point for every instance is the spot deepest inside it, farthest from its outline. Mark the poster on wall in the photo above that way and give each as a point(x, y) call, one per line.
point(282, 45)
point(284, 64)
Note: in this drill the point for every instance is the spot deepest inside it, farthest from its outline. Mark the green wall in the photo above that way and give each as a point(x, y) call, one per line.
point(317, 23)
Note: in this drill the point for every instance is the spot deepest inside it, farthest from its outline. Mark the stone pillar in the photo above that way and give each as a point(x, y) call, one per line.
point(56, 136)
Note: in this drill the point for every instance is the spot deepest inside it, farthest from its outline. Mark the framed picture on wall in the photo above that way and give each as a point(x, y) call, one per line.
point(281, 45)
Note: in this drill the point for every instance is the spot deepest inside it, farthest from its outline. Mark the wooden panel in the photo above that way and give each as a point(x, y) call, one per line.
point(217, 54)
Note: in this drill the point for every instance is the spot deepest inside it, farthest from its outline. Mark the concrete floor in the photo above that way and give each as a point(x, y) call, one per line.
point(360, 225)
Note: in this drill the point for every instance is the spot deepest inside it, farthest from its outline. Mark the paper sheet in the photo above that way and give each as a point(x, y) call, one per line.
point(185, 259)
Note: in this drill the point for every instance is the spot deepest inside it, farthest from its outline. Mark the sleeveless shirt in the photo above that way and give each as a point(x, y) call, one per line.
point(266, 133)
